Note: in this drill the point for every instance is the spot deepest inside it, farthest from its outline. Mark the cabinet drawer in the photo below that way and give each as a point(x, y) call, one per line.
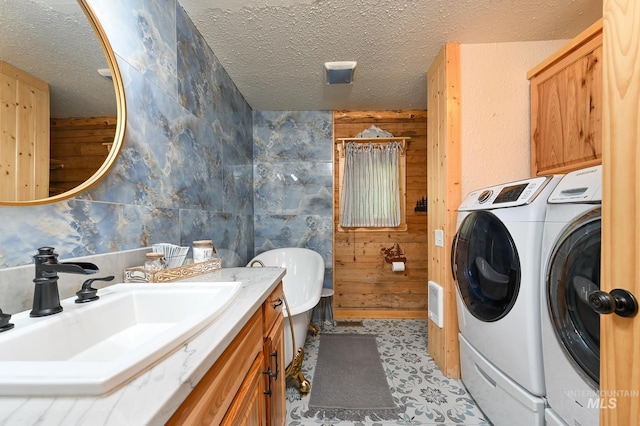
point(210, 399)
point(273, 307)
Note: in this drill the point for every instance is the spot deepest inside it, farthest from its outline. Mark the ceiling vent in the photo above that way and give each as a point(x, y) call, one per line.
point(339, 72)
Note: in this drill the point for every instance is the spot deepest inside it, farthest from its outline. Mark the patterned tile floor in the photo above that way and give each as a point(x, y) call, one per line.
point(414, 379)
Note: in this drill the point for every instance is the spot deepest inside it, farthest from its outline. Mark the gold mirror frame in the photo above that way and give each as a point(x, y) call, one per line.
point(120, 126)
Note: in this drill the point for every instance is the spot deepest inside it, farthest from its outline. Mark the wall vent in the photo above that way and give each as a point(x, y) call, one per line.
point(436, 304)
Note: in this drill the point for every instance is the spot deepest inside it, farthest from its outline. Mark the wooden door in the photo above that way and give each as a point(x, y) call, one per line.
point(24, 135)
point(620, 337)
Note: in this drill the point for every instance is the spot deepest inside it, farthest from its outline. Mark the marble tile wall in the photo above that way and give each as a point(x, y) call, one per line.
point(185, 171)
point(293, 178)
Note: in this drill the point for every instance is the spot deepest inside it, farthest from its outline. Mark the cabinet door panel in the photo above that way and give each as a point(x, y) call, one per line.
point(274, 362)
point(582, 98)
point(549, 133)
point(248, 406)
point(584, 139)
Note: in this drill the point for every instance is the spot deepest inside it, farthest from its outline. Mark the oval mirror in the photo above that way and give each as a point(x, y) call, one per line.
point(62, 109)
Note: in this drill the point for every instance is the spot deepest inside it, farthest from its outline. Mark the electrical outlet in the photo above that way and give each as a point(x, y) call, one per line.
point(439, 238)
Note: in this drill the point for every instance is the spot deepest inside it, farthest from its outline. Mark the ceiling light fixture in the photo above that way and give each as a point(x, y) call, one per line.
point(106, 73)
point(339, 72)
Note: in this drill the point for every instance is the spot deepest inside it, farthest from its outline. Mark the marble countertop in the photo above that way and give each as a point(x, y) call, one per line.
point(153, 396)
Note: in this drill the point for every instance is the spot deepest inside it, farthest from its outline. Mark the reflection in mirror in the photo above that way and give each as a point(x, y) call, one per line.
point(62, 121)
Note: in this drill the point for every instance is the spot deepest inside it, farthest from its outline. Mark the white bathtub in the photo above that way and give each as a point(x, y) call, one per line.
point(302, 287)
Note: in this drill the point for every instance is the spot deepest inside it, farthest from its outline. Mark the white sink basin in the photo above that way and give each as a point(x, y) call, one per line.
point(92, 348)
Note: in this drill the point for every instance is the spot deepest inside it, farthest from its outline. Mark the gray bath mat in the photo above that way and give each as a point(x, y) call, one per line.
point(349, 382)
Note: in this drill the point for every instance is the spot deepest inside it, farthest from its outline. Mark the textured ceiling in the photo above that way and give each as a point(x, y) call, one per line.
point(274, 50)
point(53, 40)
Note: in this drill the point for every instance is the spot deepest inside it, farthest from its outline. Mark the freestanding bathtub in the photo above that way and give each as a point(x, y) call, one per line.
point(302, 286)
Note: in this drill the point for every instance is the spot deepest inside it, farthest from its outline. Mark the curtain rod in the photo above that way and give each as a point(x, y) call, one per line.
point(343, 141)
point(391, 139)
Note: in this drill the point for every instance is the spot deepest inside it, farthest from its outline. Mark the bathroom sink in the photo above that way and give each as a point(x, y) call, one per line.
point(92, 348)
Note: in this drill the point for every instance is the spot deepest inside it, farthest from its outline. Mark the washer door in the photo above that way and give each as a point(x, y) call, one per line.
point(486, 266)
point(572, 274)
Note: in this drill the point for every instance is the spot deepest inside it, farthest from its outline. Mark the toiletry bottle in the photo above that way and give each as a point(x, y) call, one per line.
point(202, 250)
point(154, 262)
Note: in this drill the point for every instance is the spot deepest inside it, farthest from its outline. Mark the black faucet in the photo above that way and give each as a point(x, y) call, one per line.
point(46, 298)
point(4, 322)
point(88, 293)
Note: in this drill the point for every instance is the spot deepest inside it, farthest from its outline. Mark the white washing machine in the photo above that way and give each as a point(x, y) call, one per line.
point(571, 272)
point(496, 266)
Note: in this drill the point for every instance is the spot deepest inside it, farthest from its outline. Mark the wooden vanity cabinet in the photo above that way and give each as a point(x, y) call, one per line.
point(566, 106)
point(242, 388)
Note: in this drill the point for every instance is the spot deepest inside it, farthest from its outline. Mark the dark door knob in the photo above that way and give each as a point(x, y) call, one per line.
point(619, 301)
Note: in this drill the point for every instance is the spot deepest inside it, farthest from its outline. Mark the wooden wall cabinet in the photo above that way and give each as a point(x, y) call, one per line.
point(566, 106)
point(242, 387)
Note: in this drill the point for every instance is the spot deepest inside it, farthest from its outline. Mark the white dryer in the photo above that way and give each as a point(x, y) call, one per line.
point(496, 266)
point(571, 272)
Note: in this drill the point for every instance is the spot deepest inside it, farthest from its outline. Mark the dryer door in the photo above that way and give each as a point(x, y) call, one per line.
point(486, 266)
point(573, 273)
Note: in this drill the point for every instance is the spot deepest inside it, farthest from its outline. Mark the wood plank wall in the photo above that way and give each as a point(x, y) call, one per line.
point(443, 101)
point(365, 286)
point(78, 149)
